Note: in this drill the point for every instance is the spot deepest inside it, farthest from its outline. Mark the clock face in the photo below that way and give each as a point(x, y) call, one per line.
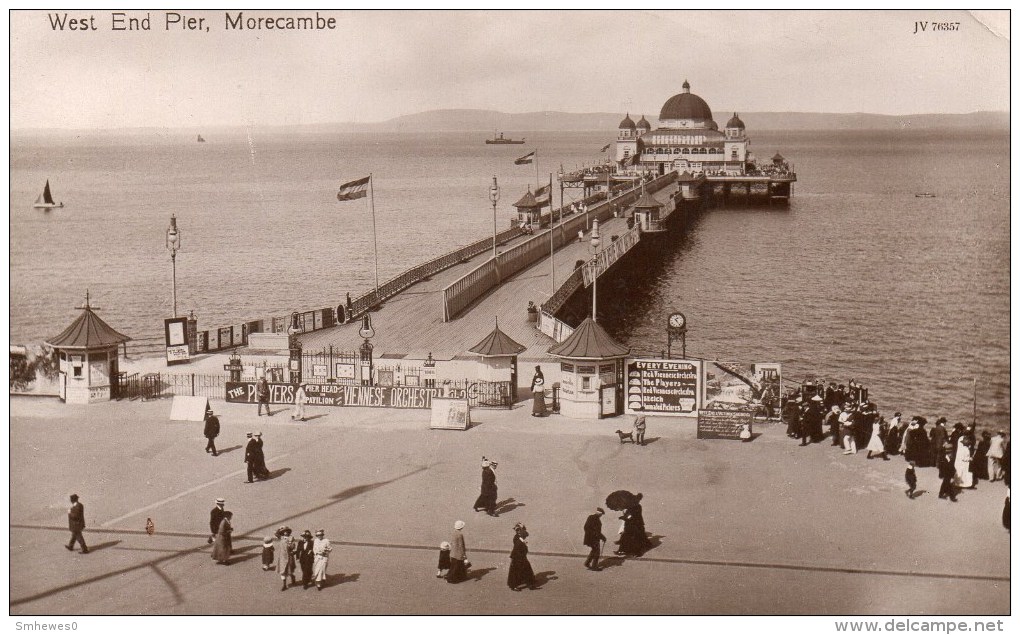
point(677, 320)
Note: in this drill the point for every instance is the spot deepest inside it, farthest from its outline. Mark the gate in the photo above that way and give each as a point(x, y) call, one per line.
point(490, 394)
point(125, 386)
point(330, 366)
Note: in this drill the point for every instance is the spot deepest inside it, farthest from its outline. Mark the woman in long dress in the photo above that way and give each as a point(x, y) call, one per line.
point(286, 547)
point(321, 549)
point(489, 492)
point(458, 555)
point(223, 546)
point(876, 444)
point(979, 462)
point(634, 541)
point(538, 393)
point(962, 464)
point(521, 573)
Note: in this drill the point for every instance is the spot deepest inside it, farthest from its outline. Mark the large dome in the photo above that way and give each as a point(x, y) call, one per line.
point(686, 106)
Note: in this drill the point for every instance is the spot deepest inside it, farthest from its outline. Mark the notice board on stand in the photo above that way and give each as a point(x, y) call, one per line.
point(725, 424)
point(450, 414)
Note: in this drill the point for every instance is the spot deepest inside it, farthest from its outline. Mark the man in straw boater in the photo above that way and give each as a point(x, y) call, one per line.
point(215, 516)
point(212, 430)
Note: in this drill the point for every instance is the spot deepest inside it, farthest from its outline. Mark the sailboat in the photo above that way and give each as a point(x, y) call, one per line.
point(200, 139)
point(45, 200)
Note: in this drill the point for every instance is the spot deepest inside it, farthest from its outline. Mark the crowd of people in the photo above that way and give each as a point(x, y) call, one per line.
point(844, 414)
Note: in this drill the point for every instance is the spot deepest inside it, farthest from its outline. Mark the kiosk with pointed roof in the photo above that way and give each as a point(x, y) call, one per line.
point(529, 210)
point(87, 350)
point(498, 358)
point(591, 372)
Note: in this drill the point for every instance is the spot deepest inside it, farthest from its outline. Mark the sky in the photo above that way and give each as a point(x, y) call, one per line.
point(378, 65)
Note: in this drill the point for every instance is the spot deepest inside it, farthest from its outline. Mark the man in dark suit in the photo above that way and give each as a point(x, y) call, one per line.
point(946, 472)
point(215, 517)
point(251, 451)
point(212, 430)
point(76, 523)
point(593, 538)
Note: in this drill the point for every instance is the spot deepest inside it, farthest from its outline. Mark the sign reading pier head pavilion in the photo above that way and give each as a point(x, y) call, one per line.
point(337, 395)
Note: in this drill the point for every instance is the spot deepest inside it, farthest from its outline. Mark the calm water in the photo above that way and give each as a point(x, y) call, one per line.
point(858, 277)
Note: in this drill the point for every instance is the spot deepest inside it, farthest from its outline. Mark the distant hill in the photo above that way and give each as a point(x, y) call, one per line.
point(513, 123)
point(516, 124)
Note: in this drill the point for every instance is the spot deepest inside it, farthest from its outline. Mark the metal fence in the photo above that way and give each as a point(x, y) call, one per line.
point(158, 385)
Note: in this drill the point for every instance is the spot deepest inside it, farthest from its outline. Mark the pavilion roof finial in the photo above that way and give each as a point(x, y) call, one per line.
point(687, 86)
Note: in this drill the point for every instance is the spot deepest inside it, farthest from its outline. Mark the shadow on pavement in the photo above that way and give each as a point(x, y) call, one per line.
point(612, 561)
point(337, 579)
point(313, 417)
point(276, 473)
point(507, 505)
point(651, 440)
point(478, 574)
point(230, 449)
point(543, 577)
point(104, 545)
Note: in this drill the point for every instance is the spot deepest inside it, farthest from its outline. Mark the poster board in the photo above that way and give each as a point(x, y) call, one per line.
point(663, 386)
point(724, 424)
point(188, 408)
point(450, 414)
point(176, 340)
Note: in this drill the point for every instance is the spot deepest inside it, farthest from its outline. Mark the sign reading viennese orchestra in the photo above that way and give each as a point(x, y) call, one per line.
point(338, 395)
point(663, 386)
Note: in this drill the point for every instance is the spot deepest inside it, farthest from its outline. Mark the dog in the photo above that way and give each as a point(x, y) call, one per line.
point(624, 436)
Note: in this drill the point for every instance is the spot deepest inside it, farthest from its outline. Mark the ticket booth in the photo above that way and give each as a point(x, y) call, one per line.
point(592, 366)
point(498, 359)
point(529, 211)
point(87, 351)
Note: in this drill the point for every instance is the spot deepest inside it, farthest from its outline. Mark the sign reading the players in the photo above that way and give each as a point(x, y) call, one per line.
point(663, 386)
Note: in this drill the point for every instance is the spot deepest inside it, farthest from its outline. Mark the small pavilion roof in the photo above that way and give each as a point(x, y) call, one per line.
point(528, 200)
point(88, 331)
point(497, 344)
point(589, 341)
point(647, 201)
point(778, 158)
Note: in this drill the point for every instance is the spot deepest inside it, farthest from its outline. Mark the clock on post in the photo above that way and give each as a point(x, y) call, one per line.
point(676, 330)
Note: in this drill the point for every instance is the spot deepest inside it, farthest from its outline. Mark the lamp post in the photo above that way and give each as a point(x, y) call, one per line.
point(494, 197)
point(173, 243)
point(367, 333)
point(595, 240)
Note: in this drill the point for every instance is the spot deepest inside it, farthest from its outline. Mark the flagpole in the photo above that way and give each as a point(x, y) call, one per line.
point(375, 242)
point(552, 249)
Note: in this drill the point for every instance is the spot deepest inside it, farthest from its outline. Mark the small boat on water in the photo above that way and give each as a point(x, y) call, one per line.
point(200, 139)
point(45, 200)
point(925, 195)
point(501, 140)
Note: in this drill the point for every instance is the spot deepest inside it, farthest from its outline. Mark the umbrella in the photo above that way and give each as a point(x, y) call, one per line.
point(620, 500)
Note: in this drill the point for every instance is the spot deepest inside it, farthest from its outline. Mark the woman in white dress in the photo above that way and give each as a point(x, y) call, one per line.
point(876, 444)
point(964, 478)
point(321, 549)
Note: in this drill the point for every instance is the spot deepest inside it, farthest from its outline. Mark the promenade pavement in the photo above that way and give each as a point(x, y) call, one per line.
point(765, 527)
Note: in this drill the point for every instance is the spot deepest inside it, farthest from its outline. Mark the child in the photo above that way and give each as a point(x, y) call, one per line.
point(444, 559)
point(911, 479)
point(268, 553)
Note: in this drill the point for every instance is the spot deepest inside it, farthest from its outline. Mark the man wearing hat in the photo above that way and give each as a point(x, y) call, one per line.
point(76, 523)
point(487, 498)
point(305, 555)
point(300, 399)
point(251, 450)
point(215, 517)
point(212, 430)
point(593, 538)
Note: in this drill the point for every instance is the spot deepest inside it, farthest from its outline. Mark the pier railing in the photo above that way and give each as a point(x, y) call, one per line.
point(469, 288)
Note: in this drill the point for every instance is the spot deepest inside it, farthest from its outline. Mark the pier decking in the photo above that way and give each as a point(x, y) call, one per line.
point(411, 324)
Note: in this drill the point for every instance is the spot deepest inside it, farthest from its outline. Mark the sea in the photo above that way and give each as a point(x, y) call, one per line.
point(856, 278)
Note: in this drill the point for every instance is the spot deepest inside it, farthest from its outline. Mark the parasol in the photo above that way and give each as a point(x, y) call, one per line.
point(621, 499)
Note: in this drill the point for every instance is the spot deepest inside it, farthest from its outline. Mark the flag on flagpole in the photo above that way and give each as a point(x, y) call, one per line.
point(526, 159)
point(542, 196)
point(353, 190)
point(605, 147)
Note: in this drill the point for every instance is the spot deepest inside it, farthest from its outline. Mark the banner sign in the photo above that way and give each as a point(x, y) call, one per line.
point(724, 424)
point(337, 395)
point(663, 386)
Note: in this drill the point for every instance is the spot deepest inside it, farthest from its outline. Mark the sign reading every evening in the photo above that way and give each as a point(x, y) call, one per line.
point(663, 386)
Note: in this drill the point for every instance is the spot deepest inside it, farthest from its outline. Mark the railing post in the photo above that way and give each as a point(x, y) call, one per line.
point(192, 384)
